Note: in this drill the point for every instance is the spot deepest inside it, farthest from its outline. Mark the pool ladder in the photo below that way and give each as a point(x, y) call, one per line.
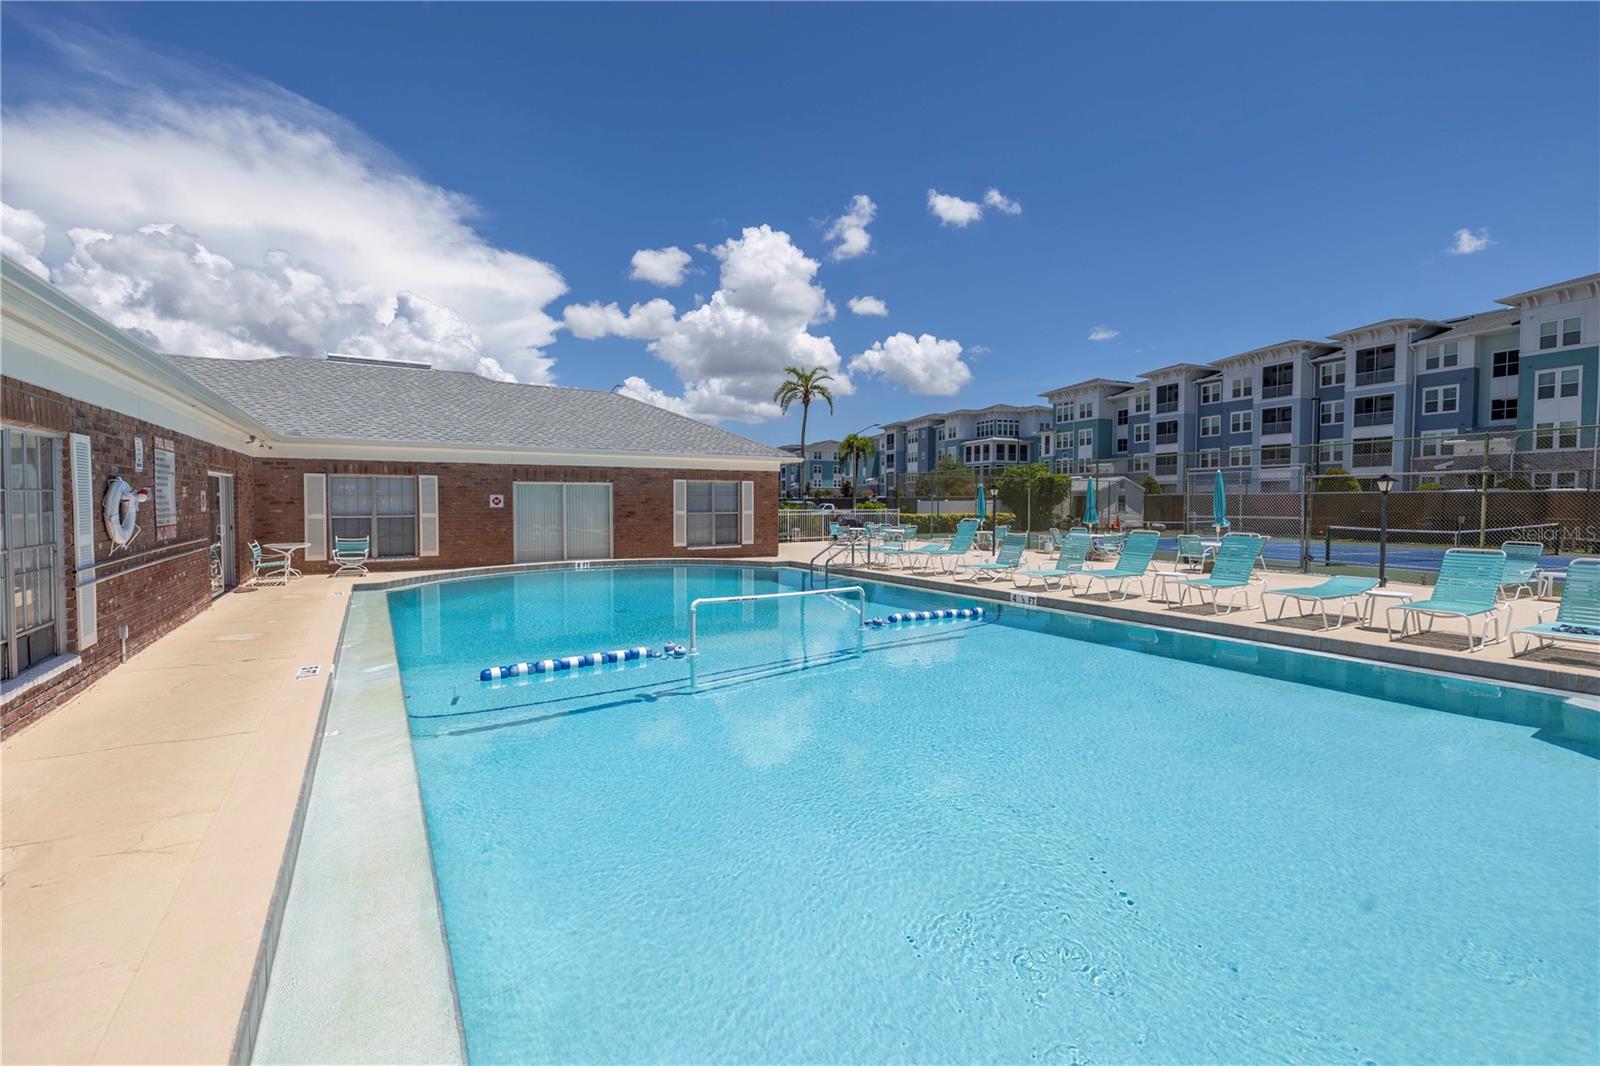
point(831, 552)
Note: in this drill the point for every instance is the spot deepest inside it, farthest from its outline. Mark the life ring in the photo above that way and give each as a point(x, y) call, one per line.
point(122, 511)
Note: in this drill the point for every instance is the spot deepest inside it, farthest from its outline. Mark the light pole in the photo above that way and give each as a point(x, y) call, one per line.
point(1385, 486)
point(994, 512)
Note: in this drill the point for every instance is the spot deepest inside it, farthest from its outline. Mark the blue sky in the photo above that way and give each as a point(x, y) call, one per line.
point(1199, 179)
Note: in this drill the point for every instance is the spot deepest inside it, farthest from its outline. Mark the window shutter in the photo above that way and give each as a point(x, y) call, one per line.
point(84, 512)
point(427, 514)
point(316, 512)
point(680, 504)
point(747, 519)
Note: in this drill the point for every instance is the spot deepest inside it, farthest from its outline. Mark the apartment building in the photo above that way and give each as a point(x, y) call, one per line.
point(986, 439)
point(819, 467)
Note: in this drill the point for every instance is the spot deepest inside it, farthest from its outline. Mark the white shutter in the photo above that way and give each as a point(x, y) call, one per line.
point(84, 512)
point(427, 514)
point(680, 505)
point(316, 512)
point(747, 517)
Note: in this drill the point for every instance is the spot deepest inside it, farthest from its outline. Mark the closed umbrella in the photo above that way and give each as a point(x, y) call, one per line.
point(1091, 514)
point(980, 504)
point(1219, 503)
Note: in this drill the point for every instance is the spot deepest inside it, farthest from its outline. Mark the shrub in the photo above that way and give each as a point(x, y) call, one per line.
point(1336, 480)
point(1020, 485)
point(872, 505)
point(1430, 486)
point(1514, 483)
point(1151, 486)
point(934, 525)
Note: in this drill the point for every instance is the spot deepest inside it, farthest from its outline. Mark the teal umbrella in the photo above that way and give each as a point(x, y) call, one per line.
point(980, 503)
point(1219, 503)
point(1091, 514)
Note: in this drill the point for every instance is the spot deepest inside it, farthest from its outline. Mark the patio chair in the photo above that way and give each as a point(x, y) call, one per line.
point(1232, 572)
point(1007, 560)
point(1522, 559)
point(1577, 618)
point(1468, 588)
point(946, 554)
point(1074, 553)
point(1194, 550)
point(267, 571)
point(1138, 550)
point(350, 554)
point(1345, 591)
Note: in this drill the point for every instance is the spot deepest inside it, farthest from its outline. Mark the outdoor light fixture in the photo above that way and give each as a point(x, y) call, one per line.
point(1385, 485)
point(994, 509)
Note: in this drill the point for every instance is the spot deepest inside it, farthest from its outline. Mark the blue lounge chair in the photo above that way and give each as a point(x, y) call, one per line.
point(1577, 619)
point(1468, 588)
point(1007, 560)
point(1341, 590)
point(1138, 549)
point(1074, 553)
point(1193, 550)
point(1522, 559)
point(945, 554)
point(1231, 573)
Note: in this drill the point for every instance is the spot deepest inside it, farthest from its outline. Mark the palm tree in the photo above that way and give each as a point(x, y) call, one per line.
point(853, 450)
point(803, 386)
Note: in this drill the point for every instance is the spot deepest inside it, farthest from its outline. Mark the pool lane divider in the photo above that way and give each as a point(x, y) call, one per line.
point(575, 662)
point(942, 615)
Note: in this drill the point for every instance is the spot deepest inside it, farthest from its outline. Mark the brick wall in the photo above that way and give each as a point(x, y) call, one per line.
point(150, 599)
point(471, 533)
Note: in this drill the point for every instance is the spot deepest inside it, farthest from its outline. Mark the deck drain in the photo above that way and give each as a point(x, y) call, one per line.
point(307, 671)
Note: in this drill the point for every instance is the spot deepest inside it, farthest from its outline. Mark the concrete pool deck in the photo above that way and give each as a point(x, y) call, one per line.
point(146, 823)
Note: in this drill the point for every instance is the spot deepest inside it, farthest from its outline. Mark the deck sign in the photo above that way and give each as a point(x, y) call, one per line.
point(166, 475)
point(497, 501)
point(1025, 599)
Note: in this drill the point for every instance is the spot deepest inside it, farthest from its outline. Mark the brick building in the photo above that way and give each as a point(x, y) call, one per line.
point(434, 468)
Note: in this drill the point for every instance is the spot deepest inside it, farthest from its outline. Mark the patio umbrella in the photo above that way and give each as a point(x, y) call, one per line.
point(980, 504)
point(1091, 514)
point(1219, 503)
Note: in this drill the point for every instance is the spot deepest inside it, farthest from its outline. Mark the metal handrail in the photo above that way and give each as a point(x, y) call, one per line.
point(694, 606)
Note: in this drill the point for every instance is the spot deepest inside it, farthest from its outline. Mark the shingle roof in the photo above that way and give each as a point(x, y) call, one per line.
point(335, 400)
point(1472, 325)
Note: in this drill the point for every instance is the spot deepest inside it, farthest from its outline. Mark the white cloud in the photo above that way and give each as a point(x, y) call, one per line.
point(660, 266)
point(925, 364)
point(997, 200)
point(640, 389)
point(1468, 242)
point(1104, 333)
point(868, 305)
point(645, 321)
point(850, 228)
point(953, 210)
point(730, 352)
point(228, 217)
point(22, 236)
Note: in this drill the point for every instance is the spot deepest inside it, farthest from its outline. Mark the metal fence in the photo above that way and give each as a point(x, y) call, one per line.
point(795, 523)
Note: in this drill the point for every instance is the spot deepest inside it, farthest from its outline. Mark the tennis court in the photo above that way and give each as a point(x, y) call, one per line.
point(1409, 549)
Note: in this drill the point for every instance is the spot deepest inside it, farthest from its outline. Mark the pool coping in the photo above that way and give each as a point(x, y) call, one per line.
point(1318, 643)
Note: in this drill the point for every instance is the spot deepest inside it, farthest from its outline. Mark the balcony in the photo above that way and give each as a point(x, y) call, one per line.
point(1167, 407)
point(1272, 392)
point(1374, 418)
point(1375, 377)
point(1166, 438)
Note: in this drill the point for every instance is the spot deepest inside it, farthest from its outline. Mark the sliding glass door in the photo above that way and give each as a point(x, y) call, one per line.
point(553, 521)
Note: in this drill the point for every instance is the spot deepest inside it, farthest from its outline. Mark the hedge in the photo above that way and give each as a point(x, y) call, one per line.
point(932, 525)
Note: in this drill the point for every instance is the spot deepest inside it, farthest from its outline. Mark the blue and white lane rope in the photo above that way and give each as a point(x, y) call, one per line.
point(944, 614)
point(573, 662)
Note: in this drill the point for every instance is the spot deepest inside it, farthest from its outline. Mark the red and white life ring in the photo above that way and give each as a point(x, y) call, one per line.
point(122, 511)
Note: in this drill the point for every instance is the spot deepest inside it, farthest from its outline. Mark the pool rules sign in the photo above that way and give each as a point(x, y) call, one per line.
point(166, 476)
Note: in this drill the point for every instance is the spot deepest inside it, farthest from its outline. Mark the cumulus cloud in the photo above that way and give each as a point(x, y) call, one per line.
point(730, 351)
point(660, 266)
point(998, 200)
point(1467, 242)
point(868, 305)
point(953, 210)
point(850, 228)
point(925, 364)
point(22, 236)
point(1103, 333)
point(227, 217)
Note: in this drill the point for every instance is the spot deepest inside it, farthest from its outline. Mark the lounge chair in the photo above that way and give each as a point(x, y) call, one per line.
point(1074, 552)
point(1577, 619)
point(1007, 560)
point(267, 571)
point(350, 554)
point(1341, 590)
point(1468, 588)
point(1231, 573)
point(1194, 550)
point(1138, 549)
point(946, 554)
point(1522, 559)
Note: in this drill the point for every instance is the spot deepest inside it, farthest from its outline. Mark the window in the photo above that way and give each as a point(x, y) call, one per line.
point(1141, 433)
point(1277, 380)
point(1166, 465)
point(1242, 388)
point(1211, 392)
point(1440, 356)
point(30, 554)
point(1375, 366)
point(1277, 455)
point(1441, 400)
point(1139, 464)
point(1208, 460)
point(1240, 456)
point(1374, 410)
point(1571, 331)
point(1333, 412)
point(997, 427)
point(1122, 444)
point(1331, 374)
point(1564, 382)
point(1086, 438)
point(1141, 403)
point(1567, 332)
point(1066, 412)
point(711, 513)
point(1166, 398)
point(1167, 432)
point(1556, 479)
point(1276, 420)
point(1330, 454)
point(1438, 445)
point(1122, 417)
point(382, 509)
point(1555, 435)
point(1374, 451)
point(1241, 422)
point(1086, 409)
point(1210, 425)
point(1503, 410)
point(1505, 364)
point(1047, 445)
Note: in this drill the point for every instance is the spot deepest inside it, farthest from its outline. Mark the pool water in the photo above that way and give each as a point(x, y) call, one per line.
point(981, 842)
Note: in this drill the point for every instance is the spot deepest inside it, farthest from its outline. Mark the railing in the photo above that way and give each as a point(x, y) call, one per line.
point(695, 605)
point(1375, 377)
point(1272, 392)
point(797, 524)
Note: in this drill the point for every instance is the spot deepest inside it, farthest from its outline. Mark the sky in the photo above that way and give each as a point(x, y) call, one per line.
point(944, 206)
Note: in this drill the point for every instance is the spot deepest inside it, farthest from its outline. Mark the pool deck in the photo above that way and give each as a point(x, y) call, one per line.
point(147, 822)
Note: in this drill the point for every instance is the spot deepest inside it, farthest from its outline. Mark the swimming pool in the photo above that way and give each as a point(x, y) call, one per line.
point(1039, 837)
